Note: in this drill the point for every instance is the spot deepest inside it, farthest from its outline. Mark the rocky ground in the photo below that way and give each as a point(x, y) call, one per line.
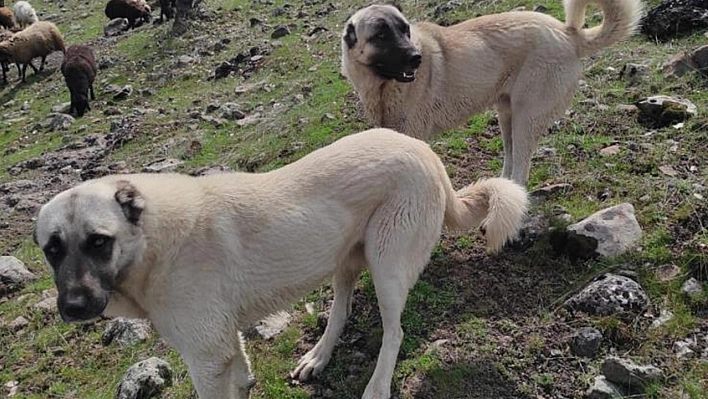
point(585, 304)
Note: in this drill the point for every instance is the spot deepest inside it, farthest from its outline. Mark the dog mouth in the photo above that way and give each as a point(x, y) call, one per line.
point(407, 75)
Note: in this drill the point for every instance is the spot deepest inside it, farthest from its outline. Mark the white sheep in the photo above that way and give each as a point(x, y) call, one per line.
point(24, 14)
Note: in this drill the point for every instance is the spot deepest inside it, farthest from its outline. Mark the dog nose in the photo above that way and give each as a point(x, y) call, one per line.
point(415, 60)
point(75, 304)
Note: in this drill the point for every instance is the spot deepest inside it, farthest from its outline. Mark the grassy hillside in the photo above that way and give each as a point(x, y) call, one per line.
point(476, 326)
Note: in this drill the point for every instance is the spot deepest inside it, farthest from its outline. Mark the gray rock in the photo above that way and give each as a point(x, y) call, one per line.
point(18, 324)
point(610, 232)
point(585, 341)
point(248, 120)
point(13, 273)
point(661, 111)
point(665, 316)
point(692, 288)
point(445, 8)
point(633, 73)
point(115, 27)
point(59, 122)
point(184, 60)
point(232, 111)
point(603, 389)
point(551, 190)
point(628, 374)
point(126, 331)
point(62, 108)
point(539, 8)
point(163, 165)
point(48, 304)
point(145, 379)
point(123, 93)
point(280, 31)
point(608, 295)
point(272, 325)
point(684, 348)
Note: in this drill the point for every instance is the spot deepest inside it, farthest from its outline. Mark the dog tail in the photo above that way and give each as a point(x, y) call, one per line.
point(620, 20)
point(497, 205)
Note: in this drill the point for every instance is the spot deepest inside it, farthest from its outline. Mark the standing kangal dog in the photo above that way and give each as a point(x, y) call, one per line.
point(204, 257)
point(423, 79)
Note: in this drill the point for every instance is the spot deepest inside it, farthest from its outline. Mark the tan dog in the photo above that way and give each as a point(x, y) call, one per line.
point(204, 257)
point(423, 79)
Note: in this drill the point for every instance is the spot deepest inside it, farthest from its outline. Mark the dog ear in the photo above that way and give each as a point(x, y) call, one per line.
point(350, 35)
point(394, 4)
point(130, 201)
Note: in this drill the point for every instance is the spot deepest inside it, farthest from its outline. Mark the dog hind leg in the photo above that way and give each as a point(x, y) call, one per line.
point(504, 109)
point(535, 104)
point(399, 240)
point(344, 280)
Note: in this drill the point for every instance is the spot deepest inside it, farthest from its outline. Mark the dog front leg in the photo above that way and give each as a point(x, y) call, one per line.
point(214, 376)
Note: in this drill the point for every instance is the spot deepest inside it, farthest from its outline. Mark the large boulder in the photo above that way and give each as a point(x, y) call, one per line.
point(610, 294)
point(675, 18)
point(145, 379)
point(610, 232)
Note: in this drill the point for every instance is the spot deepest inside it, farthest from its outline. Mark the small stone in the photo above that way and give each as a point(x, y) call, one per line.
point(62, 108)
point(112, 111)
point(13, 273)
point(255, 21)
point(280, 31)
point(310, 308)
point(539, 8)
point(123, 93)
point(609, 232)
point(664, 317)
point(12, 388)
point(46, 305)
point(586, 341)
point(668, 272)
point(603, 389)
point(163, 165)
point(668, 170)
point(610, 294)
point(184, 60)
point(626, 373)
point(692, 288)
point(59, 122)
point(633, 73)
point(248, 120)
point(18, 324)
point(126, 332)
point(662, 111)
point(231, 111)
point(327, 117)
point(551, 190)
point(116, 27)
point(546, 152)
point(684, 348)
point(145, 379)
point(611, 150)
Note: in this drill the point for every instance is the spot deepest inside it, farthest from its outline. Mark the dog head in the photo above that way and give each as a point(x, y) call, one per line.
point(90, 236)
point(379, 37)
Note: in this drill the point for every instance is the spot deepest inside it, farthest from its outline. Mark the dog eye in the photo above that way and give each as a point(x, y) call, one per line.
point(97, 240)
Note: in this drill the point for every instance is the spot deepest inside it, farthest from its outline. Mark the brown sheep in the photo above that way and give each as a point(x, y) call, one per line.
point(135, 11)
point(7, 18)
point(38, 40)
point(79, 70)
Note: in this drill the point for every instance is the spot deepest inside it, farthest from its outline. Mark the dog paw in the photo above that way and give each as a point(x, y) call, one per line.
point(310, 365)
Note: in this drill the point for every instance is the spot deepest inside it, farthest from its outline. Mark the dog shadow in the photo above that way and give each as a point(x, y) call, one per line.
point(462, 282)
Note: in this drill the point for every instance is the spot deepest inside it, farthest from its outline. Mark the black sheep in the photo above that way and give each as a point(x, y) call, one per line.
point(79, 70)
point(135, 11)
point(167, 9)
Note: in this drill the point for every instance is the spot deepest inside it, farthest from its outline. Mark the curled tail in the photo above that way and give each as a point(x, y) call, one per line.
point(620, 19)
point(497, 205)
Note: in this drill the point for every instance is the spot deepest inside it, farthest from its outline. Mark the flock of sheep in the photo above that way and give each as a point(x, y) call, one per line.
point(23, 38)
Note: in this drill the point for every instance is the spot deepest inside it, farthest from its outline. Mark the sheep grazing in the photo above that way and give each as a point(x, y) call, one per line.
point(5, 65)
point(39, 40)
point(24, 14)
point(167, 9)
point(135, 11)
point(7, 18)
point(79, 70)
